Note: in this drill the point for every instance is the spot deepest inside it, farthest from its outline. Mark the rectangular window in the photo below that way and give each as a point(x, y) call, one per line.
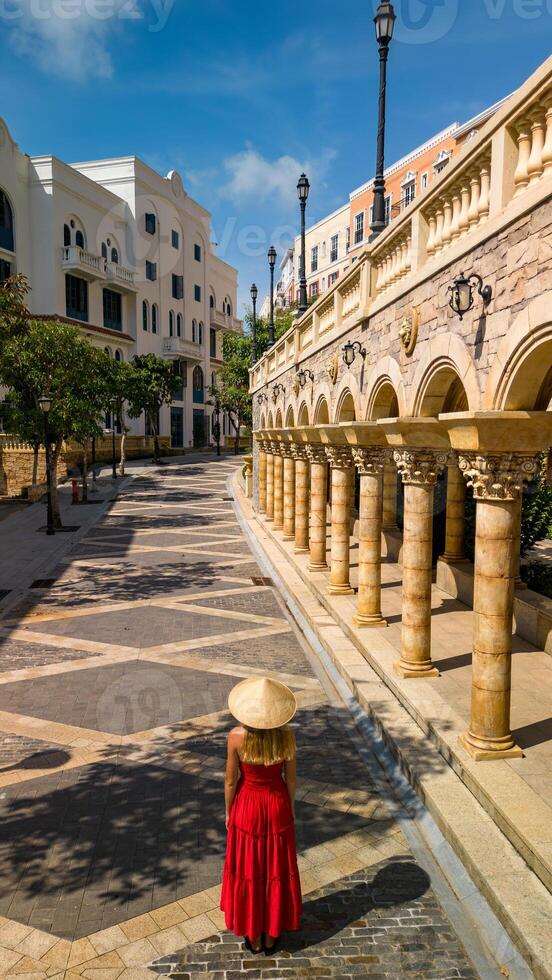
point(177, 428)
point(387, 208)
point(175, 239)
point(425, 181)
point(359, 227)
point(314, 258)
point(333, 276)
point(177, 371)
point(177, 286)
point(151, 271)
point(334, 248)
point(197, 253)
point(5, 270)
point(76, 298)
point(151, 224)
point(112, 310)
point(197, 294)
point(409, 193)
point(313, 289)
point(213, 342)
point(347, 239)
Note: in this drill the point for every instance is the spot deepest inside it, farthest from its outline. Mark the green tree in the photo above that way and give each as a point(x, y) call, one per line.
point(52, 358)
point(14, 315)
point(123, 382)
point(153, 386)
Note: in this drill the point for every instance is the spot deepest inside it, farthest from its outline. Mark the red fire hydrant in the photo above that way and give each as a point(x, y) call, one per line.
point(75, 496)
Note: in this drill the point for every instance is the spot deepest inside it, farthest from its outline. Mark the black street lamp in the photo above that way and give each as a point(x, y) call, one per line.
point(385, 21)
point(113, 452)
point(303, 376)
point(45, 404)
point(217, 424)
point(271, 264)
point(303, 188)
point(254, 293)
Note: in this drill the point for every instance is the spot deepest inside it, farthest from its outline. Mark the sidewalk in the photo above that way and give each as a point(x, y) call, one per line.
point(490, 813)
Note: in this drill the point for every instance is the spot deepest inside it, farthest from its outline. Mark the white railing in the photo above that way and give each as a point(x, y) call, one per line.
point(73, 256)
point(462, 206)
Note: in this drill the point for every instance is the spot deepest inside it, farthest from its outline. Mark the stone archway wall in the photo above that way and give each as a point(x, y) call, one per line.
point(520, 376)
point(446, 358)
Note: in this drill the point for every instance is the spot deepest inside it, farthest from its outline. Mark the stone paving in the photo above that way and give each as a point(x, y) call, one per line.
point(113, 688)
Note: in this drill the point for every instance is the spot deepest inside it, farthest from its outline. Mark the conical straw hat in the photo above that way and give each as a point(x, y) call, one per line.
point(260, 702)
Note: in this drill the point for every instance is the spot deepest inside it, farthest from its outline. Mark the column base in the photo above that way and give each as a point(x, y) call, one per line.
point(341, 590)
point(301, 551)
point(453, 559)
point(318, 566)
point(483, 751)
point(277, 527)
point(369, 621)
point(406, 670)
point(288, 537)
point(268, 519)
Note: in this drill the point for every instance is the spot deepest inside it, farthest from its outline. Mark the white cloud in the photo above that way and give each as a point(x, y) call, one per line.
point(252, 177)
point(68, 38)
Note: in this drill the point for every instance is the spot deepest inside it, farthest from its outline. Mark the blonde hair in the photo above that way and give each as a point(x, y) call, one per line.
point(266, 747)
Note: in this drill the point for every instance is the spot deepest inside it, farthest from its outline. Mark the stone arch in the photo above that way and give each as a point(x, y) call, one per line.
point(347, 400)
point(290, 418)
point(278, 423)
point(447, 362)
point(321, 412)
point(270, 421)
point(303, 414)
point(263, 421)
point(521, 375)
point(385, 391)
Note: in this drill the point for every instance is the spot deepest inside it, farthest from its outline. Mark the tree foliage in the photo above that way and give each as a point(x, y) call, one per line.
point(154, 384)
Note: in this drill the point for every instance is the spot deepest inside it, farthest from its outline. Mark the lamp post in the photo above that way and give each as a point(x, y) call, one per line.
point(254, 293)
point(385, 21)
point(271, 264)
point(113, 454)
point(45, 403)
point(217, 423)
point(303, 188)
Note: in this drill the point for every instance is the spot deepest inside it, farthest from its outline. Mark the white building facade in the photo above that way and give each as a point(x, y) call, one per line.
point(126, 255)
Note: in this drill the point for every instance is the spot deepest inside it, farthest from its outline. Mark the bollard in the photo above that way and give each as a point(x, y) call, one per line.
point(75, 496)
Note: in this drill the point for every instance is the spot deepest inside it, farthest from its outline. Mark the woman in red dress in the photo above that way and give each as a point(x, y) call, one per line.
point(261, 890)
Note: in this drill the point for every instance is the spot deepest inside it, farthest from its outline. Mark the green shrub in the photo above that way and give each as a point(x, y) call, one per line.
point(538, 576)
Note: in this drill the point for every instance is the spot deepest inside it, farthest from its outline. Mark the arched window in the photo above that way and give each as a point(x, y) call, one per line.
point(179, 325)
point(79, 238)
point(171, 324)
point(145, 315)
point(154, 318)
point(118, 355)
point(200, 334)
point(228, 309)
point(66, 236)
point(6, 224)
point(212, 301)
point(114, 256)
point(198, 384)
point(104, 251)
point(194, 331)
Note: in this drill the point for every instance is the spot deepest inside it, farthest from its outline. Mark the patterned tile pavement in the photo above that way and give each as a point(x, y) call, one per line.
point(113, 687)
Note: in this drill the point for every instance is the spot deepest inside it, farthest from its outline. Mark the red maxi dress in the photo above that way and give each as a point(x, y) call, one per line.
point(261, 889)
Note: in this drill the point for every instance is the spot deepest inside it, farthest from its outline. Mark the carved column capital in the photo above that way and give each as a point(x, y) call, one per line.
point(315, 453)
point(275, 448)
point(499, 476)
point(420, 466)
point(286, 450)
point(370, 460)
point(297, 451)
point(339, 457)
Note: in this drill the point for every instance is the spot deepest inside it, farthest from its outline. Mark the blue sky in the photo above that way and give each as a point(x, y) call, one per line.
point(241, 96)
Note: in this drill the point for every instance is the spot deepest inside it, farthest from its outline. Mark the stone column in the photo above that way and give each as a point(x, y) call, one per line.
point(318, 507)
point(262, 478)
point(278, 488)
point(341, 461)
point(370, 464)
point(269, 482)
point(390, 495)
point(419, 469)
point(301, 500)
point(289, 494)
point(456, 516)
point(497, 483)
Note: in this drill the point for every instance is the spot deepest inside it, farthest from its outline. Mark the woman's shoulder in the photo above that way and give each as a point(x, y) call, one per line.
point(236, 734)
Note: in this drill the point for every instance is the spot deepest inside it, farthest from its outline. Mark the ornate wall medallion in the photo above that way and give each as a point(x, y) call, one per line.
point(409, 330)
point(295, 385)
point(332, 367)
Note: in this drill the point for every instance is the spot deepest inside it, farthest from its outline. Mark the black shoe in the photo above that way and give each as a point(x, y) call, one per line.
point(249, 946)
point(270, 950)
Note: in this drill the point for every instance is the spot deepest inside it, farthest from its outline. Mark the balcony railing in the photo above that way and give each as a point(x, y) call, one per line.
point(75, 259)
point(121, 276)
point(497, 176)
point(180, 347)
point(225, 322)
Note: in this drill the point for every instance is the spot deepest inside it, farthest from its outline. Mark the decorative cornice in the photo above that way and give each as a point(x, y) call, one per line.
point(316, 454)
point(420, 466)
point(297, 451)
point(339, 456)
point(370, 461)
point(497, 477)
point(275, 448)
